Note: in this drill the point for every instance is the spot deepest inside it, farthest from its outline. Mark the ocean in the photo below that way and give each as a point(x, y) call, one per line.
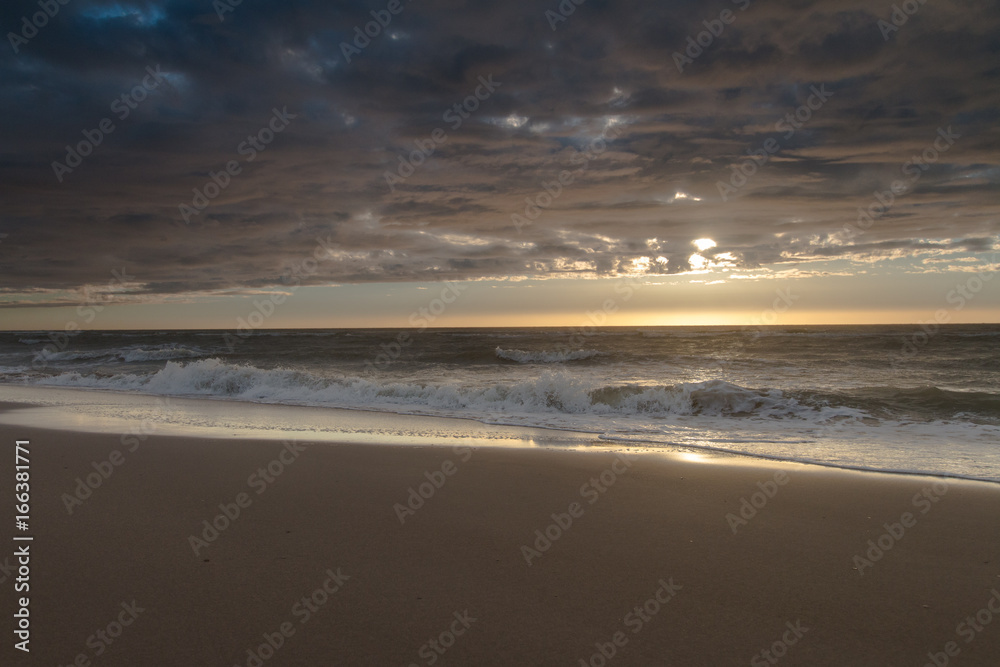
point(889, 398)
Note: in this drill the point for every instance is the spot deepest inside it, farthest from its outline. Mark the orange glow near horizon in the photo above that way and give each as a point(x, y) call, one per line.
point(553, 303)
point(692, 319)
point(158, 317)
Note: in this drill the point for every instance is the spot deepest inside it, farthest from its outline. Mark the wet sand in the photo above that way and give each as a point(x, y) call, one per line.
point(384, 555)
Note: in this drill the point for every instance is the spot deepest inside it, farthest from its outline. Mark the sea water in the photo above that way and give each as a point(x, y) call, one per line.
point(892, 398)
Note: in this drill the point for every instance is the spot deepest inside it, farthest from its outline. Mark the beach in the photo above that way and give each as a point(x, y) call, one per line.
point(474, 334)
point(366, 554)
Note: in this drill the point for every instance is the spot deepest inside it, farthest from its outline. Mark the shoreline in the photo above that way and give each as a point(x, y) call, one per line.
point(550, 552)
point(559, 439)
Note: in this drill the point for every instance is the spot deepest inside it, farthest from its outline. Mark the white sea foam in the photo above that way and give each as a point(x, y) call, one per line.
point(713, 415)
point(551, 393)
point(813, 394)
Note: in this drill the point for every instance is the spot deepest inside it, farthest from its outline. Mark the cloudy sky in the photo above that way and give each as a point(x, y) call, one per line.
point(178, 162)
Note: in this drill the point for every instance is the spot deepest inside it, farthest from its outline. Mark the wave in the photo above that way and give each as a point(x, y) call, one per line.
point(551, 393)
point(46, 354)
point(932, 401)
point(140, 354)
point(544, 357)
point(128, 354)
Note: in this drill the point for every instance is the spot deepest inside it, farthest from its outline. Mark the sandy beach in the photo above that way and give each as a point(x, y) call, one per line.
point(336, 554)
point(500, 334)
point(402, 333)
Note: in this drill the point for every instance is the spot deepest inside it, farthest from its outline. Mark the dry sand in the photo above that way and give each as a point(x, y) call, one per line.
point(459, 557)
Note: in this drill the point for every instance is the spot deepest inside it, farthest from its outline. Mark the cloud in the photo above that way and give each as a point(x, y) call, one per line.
point(610, 66)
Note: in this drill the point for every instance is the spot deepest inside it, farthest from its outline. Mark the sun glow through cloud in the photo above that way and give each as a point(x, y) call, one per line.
point(579, 155)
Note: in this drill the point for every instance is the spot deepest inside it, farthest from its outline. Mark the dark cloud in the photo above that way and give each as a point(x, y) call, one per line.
point(646, 192)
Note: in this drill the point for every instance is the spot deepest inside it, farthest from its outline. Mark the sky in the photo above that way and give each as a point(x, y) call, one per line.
point(198, 164)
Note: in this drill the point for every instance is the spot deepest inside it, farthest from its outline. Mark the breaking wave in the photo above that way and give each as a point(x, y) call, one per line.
point(551, 393)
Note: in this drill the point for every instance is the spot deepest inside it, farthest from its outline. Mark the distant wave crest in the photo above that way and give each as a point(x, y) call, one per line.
point(156, 354)
point(545, 356)
point(47, 354)
point(128, 354)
